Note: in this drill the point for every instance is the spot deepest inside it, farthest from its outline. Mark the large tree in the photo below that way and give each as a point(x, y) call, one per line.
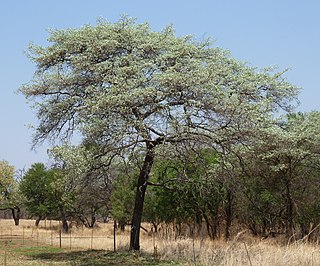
point(125, 87)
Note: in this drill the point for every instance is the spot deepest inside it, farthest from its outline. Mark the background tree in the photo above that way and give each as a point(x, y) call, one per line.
point(10, 198)
point(91, 200)
point(36, 187)
point(89, 180)
point(193, 190)
point(127, 87)
point(122, 199)
point(280, 175)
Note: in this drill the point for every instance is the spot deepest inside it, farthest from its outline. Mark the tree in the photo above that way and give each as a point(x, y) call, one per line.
point(122, 199)
point(125, 87)
point(280, 178)
point(10, 198)
point(191, 187)
point(36, 188)
point(47, 193)
point(88, 181)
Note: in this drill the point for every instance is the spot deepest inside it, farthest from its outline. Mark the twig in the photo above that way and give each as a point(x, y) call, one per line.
point(310, 232)
point(247, 253)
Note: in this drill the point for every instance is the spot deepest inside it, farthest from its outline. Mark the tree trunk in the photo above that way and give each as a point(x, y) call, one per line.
point(64, 221)
point(93, 219)
point(139, 200)
point(155, 227)
point(16, 215)
point(211, 227)
point(304, 231)
point(228, 210)
point(122, 225)
point(289, 210)
point(38, 221)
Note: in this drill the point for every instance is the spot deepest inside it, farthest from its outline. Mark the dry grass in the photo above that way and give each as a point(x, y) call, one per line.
point(243, 250)
point(240, 253)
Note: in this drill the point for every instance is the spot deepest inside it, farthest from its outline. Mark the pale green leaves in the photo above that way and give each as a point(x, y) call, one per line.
point(122, 84)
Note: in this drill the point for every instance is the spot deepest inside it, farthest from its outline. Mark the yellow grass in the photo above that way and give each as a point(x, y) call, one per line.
point(243, 250)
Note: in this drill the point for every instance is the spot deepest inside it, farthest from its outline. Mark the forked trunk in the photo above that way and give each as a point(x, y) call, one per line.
point(16, 215)
point(139, 200)
point(38, 221)
point(65, 226)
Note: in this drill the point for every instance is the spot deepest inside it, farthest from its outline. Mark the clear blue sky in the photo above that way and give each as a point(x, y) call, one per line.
point(285, 33)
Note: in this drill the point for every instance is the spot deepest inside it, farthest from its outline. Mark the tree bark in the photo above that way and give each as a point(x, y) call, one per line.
point(155, 227)
point(122, 225)
point(64, 221)
point(38, 221)
point(139, 200)
point(289, 210)
point(16, 215)
point(228, 210)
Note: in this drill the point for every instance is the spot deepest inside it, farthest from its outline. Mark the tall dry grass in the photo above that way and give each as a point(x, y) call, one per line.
point(219, 252)
point(242, 250)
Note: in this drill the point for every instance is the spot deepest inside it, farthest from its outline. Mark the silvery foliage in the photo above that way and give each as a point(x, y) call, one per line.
point(292, 142)
point(9, 196)
point(122, 85)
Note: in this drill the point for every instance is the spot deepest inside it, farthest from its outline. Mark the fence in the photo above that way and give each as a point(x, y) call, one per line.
point(27, 236)
point(102, 237)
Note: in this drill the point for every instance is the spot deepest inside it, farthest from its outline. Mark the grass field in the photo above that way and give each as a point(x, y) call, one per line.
point(27, 245)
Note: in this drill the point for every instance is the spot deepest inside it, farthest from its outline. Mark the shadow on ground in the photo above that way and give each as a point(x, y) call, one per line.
point(100, 258)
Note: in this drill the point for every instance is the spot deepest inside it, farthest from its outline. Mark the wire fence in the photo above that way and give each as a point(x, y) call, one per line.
point(93, 238)
point(103, 237)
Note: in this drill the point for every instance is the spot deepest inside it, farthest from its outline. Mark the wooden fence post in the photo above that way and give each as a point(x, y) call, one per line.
point(114, 236)
point(91, 244)
point(70, 240)
point(60, 240)
point(5, 254)
point(37, 237)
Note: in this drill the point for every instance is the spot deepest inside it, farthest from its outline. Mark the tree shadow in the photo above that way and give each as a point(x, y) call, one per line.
point(96, 258)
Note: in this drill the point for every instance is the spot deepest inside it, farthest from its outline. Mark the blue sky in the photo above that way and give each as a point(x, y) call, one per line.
point(263, 33)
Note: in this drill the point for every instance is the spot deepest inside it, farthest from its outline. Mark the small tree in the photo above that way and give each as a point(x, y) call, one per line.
point(10, 198)
point(122, 199)
point(35, 185)
point(88, 180)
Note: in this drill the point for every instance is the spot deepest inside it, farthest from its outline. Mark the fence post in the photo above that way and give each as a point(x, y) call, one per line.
point(5, 253)
point(91, 244)
point(155, 248)
point(114, 236)
point(70, 239)
point(60, 241)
